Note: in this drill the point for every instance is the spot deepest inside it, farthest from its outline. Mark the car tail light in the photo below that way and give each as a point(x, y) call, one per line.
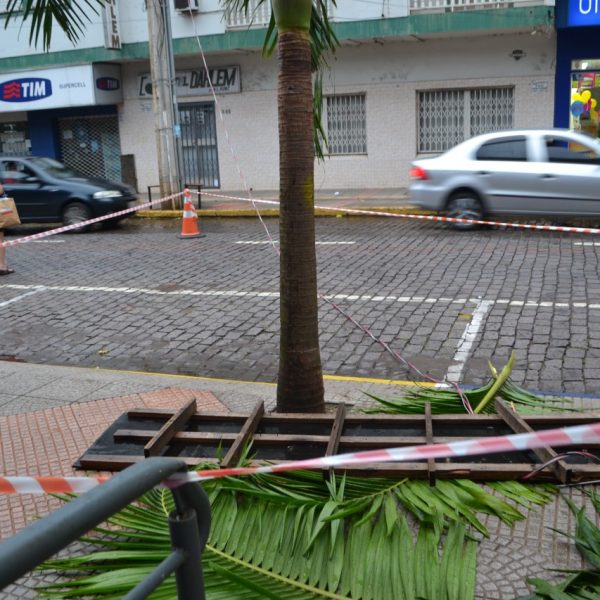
point(418, 173)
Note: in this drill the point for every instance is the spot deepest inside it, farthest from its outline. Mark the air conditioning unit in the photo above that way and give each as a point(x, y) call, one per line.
point(186, 6)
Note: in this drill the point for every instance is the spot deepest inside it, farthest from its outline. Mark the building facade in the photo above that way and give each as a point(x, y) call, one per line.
point(578, 65)
point(411, 78)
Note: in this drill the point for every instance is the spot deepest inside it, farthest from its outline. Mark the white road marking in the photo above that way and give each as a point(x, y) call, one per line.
point(467, 340)
point(47, 241)
point(242, 294)
point(36, 289)
point(277, 242)
point(586, 243)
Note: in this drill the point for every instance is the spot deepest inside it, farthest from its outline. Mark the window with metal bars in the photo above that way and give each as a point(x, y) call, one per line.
point(346, 124)
point(447, 117)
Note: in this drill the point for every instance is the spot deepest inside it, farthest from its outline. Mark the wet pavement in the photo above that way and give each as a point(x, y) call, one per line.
point(139, 298)
point(92, 324)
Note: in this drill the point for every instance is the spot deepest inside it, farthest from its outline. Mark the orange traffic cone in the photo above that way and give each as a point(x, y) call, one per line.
point(189, 226)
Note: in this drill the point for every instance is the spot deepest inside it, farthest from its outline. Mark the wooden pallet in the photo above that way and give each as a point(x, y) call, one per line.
point(198, 438)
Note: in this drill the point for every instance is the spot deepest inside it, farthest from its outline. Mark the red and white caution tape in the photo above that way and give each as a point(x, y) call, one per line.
point(568, 436)
point(377, 213)
point(126, 211)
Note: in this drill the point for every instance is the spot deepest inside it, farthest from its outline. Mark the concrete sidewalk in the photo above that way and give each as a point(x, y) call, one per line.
point(50, 415)
point(239, 203)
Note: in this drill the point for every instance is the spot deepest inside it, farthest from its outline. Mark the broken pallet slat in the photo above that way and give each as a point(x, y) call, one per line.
point(244, 436)
point(429, 440)
point(165, 434)
point(546, 455)
point(333, 444)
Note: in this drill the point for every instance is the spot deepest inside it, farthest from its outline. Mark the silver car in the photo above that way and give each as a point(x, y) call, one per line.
point(545, 173)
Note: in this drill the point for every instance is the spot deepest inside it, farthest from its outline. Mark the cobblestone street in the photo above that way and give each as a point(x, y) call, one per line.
point(139, 298)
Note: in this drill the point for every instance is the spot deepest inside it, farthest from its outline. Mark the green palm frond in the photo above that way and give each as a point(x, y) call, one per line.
point(457, 500)
point(581, 584)
point(71, 17)
point(445, 401)
point(300, 536)
point(256, 557)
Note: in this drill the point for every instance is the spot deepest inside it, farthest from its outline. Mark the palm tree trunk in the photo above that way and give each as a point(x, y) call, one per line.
point(300, 381)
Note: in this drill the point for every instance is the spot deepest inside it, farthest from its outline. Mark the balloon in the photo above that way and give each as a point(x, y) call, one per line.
point(576, 97)
point(577, 108)
point(594, 102)
point(586, 96)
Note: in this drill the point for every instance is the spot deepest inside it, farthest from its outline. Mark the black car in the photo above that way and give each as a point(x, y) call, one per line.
point(46, 191)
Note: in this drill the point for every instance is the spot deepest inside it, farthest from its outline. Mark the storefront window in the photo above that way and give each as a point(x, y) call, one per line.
point(14, 138)
point(585, 96)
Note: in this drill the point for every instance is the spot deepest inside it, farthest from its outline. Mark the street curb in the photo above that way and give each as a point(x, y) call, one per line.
point(274, 212)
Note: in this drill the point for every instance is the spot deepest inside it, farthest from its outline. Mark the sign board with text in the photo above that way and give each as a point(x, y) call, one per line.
point(84, 85)
point(583, 13)
point(195, 82)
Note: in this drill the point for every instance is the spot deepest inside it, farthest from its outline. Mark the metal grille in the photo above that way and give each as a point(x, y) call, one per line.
point(491, 110)
point(447, 117)
point(199, 144)
point(258, 15)
point(454, 5)
point(346, 124)
point(91, 145)
point(441, 119)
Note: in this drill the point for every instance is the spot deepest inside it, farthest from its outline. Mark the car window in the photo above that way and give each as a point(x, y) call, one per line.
point(54, 168)
point(505, 149)
point(15, 172)
point(565, 150)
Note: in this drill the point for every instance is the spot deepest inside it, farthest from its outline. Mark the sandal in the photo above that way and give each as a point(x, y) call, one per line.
point(6, 271)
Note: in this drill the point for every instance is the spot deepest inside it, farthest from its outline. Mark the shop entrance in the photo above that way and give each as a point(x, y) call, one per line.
point(91, 145)
point(585, 96)
point(200, 155)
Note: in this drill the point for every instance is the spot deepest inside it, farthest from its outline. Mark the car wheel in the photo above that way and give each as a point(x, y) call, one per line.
point(465, 205)
point(75, 213)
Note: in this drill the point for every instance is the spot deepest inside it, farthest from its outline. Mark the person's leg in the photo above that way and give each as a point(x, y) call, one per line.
point(3, 266)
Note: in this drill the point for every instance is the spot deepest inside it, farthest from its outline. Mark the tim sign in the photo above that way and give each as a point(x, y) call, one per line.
point(26, 89)
point(584, 12)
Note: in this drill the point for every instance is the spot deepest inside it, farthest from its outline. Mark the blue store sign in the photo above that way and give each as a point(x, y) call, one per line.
point(584, 12)
point(26, 89)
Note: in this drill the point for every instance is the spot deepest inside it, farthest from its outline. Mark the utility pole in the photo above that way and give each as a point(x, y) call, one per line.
point(162, 73)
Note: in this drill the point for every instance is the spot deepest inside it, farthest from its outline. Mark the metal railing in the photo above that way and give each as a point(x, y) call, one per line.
point(259, 15)
point(417, 6)
point(189, 525)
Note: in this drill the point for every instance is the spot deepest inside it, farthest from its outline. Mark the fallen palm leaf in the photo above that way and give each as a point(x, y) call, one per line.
point(444, 401)
point(581, 584)
point(252, 554)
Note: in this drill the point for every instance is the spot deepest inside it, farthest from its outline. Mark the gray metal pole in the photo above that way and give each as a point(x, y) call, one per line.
point(159, 47)
point(39, 541)
point(174, 106)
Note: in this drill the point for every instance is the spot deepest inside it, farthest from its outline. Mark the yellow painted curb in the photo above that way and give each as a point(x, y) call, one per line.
point(399, 382)
point(274, 212)
point(396, 382)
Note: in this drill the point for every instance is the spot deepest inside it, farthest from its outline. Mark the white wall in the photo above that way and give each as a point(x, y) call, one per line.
point(209, 20)
point(390, 75)
point(133, 27)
